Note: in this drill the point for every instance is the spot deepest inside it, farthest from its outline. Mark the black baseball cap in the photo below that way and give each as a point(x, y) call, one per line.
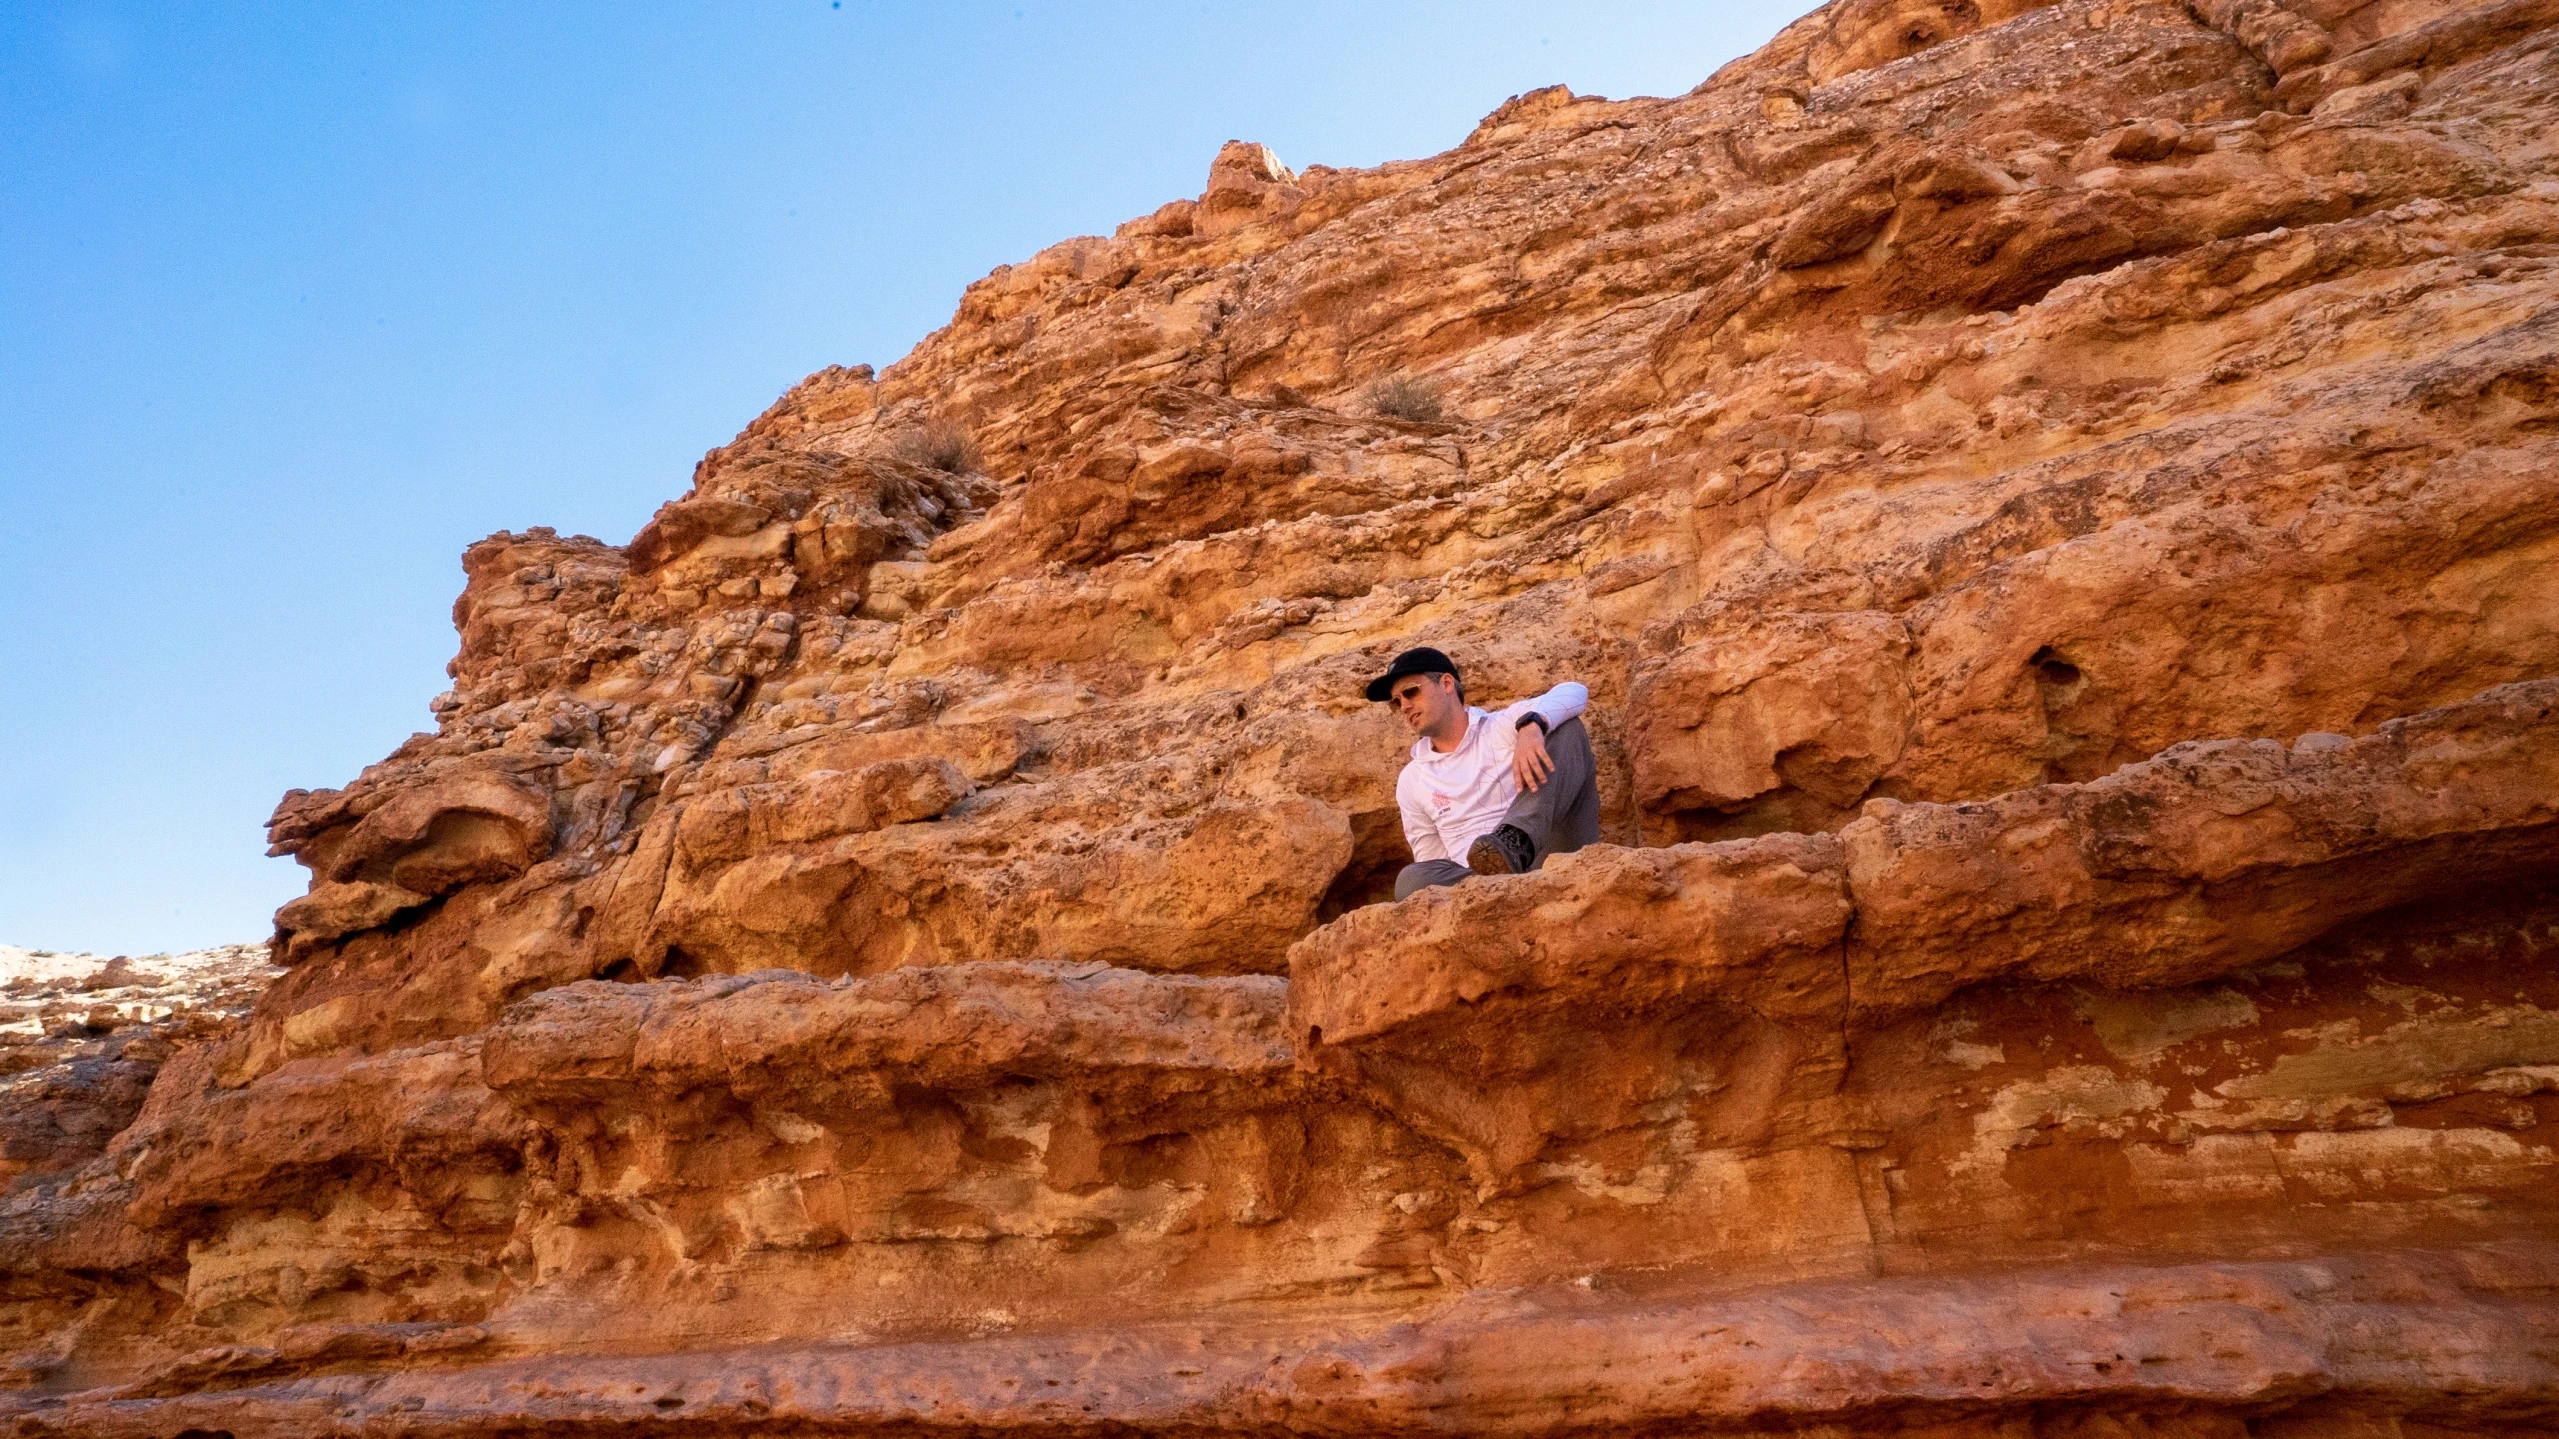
point(1423, 661)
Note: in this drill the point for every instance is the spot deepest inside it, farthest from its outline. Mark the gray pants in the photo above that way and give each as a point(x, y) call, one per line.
point(1558, 817)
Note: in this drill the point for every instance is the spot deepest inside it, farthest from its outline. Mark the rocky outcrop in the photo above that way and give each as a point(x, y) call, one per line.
point(2055, 506)
point(1718, 986)
point(82, 1036)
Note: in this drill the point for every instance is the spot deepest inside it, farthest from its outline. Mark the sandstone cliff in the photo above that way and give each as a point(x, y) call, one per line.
point(2058, 506)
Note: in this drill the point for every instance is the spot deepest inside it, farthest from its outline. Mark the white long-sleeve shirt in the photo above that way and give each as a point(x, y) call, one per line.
point(1451, 800)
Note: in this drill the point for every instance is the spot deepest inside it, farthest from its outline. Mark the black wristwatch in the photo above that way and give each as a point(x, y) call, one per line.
point(1533, 718)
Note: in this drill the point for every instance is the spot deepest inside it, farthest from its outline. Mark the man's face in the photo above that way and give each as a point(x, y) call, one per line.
point(1423, 701)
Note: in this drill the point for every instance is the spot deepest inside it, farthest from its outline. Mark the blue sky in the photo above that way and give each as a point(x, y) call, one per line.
point(297, 300)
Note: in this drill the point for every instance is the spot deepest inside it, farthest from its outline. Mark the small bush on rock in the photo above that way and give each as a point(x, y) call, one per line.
point(1399, 398)
point(938, 445)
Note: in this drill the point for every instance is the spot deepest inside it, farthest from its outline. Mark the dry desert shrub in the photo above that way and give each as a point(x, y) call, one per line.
point(938, 445)
point(1398, 397)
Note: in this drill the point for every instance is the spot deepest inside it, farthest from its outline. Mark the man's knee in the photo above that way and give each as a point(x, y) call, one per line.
point(1566, 810)
point(1424, 873)
point(1569, 736)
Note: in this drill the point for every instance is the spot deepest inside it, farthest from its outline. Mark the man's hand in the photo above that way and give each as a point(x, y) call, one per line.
point(1530, 764)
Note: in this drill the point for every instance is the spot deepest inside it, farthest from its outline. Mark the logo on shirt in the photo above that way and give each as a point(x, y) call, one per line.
point(1438, 800)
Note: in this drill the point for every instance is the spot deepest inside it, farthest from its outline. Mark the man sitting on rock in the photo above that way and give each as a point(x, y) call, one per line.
point(1505, 790)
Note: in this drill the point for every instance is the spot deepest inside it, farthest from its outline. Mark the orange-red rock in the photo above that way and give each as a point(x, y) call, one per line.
point(2058, 507)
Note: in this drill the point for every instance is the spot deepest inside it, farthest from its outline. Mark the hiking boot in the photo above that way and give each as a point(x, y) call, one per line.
point(1504, 851)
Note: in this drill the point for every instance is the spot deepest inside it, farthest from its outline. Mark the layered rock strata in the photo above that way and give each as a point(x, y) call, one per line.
point(2057, 506)
point(82, 1039)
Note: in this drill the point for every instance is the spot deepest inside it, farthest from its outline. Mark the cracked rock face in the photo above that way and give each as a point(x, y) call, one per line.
point(2058, 509)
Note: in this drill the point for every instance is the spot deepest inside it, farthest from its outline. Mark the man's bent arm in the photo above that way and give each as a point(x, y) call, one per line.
point(1565, 701)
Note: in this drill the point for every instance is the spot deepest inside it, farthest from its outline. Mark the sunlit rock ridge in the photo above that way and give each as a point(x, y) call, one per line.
point(2058, 509)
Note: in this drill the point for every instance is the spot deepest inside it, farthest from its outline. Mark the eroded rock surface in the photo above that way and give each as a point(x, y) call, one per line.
point(2058, 507)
